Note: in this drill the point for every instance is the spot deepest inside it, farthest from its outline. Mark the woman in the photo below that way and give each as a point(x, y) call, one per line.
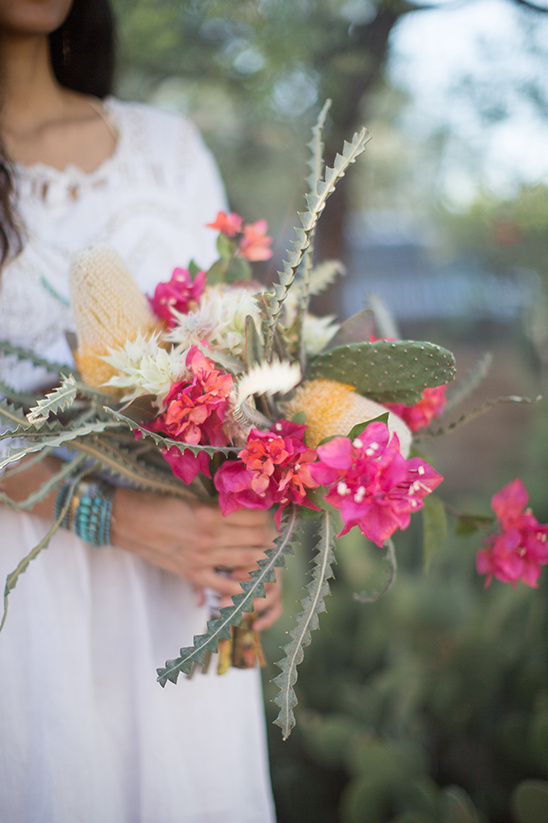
point(86, 732)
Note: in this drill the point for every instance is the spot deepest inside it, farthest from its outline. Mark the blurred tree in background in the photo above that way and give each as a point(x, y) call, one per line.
point(430, 705)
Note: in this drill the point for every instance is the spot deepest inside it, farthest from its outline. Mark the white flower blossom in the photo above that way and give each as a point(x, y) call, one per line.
point(219, 320)
point(145, 367)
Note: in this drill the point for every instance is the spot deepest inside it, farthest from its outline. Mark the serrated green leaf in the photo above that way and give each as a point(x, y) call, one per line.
point(254, 587)
point(307, 620)
point(434, 524)
point(13, 418)
point(309, 220)
point(29, 502)
point(163, 440)
point(20, 399)
point(58, 400)
point(385, 371)
point(124, 463)
point(27, 354)
point(316, 147)
point(22, 566)
point(478, 410)
point(54, 440)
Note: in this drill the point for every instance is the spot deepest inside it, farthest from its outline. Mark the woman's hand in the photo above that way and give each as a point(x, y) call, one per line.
point(194, 541)
point(185, 537)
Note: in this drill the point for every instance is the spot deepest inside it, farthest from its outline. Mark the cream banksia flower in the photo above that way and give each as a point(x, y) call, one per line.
point(109, 309)
point(333, 408)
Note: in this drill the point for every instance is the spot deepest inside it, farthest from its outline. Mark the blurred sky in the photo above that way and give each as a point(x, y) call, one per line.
point(489, 51)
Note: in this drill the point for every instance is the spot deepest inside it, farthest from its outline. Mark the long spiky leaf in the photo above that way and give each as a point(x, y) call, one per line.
point(53, 440)
point(307, 620)
point(21, 353)
point(220, 628)
point(66, 471)
point(475, 412)
point(22, 566)
point(122, 463)
point(59, 399)
point(12, 418)
point(309, 219)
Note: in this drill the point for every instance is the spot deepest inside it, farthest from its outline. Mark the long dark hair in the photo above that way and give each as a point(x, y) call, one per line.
point(83, 59)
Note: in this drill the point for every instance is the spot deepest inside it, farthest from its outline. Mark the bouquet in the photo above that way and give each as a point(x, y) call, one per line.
point(218, 387)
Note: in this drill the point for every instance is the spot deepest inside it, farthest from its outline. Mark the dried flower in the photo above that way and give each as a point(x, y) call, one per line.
point(109, 309)
point(333, 408)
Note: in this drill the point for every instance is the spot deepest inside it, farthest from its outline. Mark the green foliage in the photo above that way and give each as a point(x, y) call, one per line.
point(434, 523)
point(22, 566)
point(530, 801)
point(220, 628)
point(307, 620)
point(457, 807)
point(462, 388)
point(359, 428)
point(54, 440)
point(27, 355)
point(397, 372)
point(429, 706)
point(315, 202)
point(355, 329)
point(505, 232)
point(60, 399)
point(466, 417)
point(12, 417)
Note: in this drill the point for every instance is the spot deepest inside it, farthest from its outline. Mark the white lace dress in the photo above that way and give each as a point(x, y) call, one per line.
point(86, 733)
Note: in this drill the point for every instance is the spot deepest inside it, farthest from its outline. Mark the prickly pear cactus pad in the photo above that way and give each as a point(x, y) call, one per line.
point(386, 371)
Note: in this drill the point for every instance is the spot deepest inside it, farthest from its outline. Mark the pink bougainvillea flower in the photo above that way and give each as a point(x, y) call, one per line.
point(509, 504)
point(195, 408)
point(180, 293)
point(187, 465)
point(228, 224)
point(235, 486)
point(255, 242)
point(520, 547)
point(374, 487)
point(274, 468)
point(421, 414)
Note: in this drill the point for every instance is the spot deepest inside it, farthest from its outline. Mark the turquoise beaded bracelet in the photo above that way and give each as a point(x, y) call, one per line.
point(90, 512)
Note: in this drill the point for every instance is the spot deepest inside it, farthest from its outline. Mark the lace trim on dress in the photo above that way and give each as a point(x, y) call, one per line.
point(40, 184)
